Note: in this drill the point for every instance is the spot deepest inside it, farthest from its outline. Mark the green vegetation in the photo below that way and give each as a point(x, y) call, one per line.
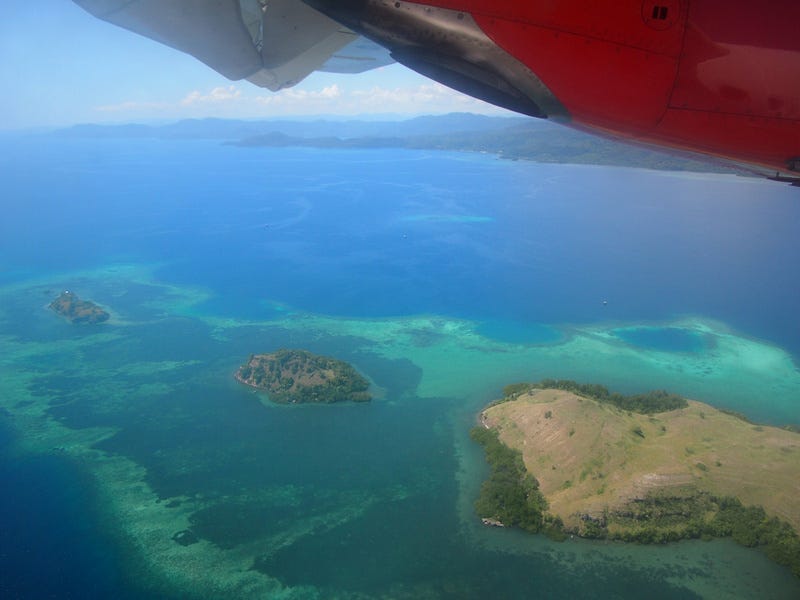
point(298, 376)
point(511, 495)
point(750, 526)
point(652, 402)
point(662, 518)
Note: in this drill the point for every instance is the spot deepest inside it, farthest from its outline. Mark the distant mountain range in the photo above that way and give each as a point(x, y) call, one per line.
point(516, 138)
point(233, 130)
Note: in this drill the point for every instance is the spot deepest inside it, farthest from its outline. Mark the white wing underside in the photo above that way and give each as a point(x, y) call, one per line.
point(272, 43)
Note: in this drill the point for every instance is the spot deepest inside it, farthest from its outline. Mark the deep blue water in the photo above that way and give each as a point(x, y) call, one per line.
point(382, 232)
point(514, 246)
point(52, 544)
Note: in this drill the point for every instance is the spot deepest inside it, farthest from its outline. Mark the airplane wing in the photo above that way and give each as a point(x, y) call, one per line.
point(272, 43)
point(716, 77)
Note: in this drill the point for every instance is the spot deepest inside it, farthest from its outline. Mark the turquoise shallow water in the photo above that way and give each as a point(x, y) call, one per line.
point(358, 500)
point(666, 339)
point(364, 500)
point(516, 332)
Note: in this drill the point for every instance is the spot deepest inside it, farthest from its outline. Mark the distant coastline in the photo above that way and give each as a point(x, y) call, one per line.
point(513, 138)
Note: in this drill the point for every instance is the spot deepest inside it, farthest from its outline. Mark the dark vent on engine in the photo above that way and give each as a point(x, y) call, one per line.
point(660, 12)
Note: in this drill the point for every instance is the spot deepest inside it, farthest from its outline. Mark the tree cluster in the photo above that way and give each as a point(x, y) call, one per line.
point(289, 377)
point(655, 401)
point(661, 519)
point(511, 495)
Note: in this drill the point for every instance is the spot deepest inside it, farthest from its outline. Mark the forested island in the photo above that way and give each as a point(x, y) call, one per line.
point(569, 458)
point(76, 310)
point(298, 376)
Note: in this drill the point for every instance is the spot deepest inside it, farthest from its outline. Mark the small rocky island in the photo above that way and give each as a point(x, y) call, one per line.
point(575, 459)
point(76, 310)
point(298, 376)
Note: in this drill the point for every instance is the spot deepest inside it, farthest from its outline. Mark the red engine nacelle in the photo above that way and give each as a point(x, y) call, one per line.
point(720, 77)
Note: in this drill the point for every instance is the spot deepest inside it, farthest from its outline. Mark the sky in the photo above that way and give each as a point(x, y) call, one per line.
point(61, 66)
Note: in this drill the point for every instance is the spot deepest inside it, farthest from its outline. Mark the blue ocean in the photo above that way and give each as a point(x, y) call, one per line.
point(135, 466)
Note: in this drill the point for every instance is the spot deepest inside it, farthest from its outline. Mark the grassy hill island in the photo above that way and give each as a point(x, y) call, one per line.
point(76, 310)
point(569, 458)
point(298, 376)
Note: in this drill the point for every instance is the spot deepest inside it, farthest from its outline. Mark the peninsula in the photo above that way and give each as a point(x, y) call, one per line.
point(575, 459)
point(76, 310)
point(298, 376)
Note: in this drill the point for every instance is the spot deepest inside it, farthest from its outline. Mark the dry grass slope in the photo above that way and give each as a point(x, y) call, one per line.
point(591, 458)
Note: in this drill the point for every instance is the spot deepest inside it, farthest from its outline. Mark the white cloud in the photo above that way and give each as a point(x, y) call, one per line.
point(216, 95)
point(411, 99)
point(230, 101)
point(423, 98)
point(300, 98)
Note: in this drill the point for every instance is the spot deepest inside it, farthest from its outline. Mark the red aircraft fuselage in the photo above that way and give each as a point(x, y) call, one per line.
point(719, 77)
